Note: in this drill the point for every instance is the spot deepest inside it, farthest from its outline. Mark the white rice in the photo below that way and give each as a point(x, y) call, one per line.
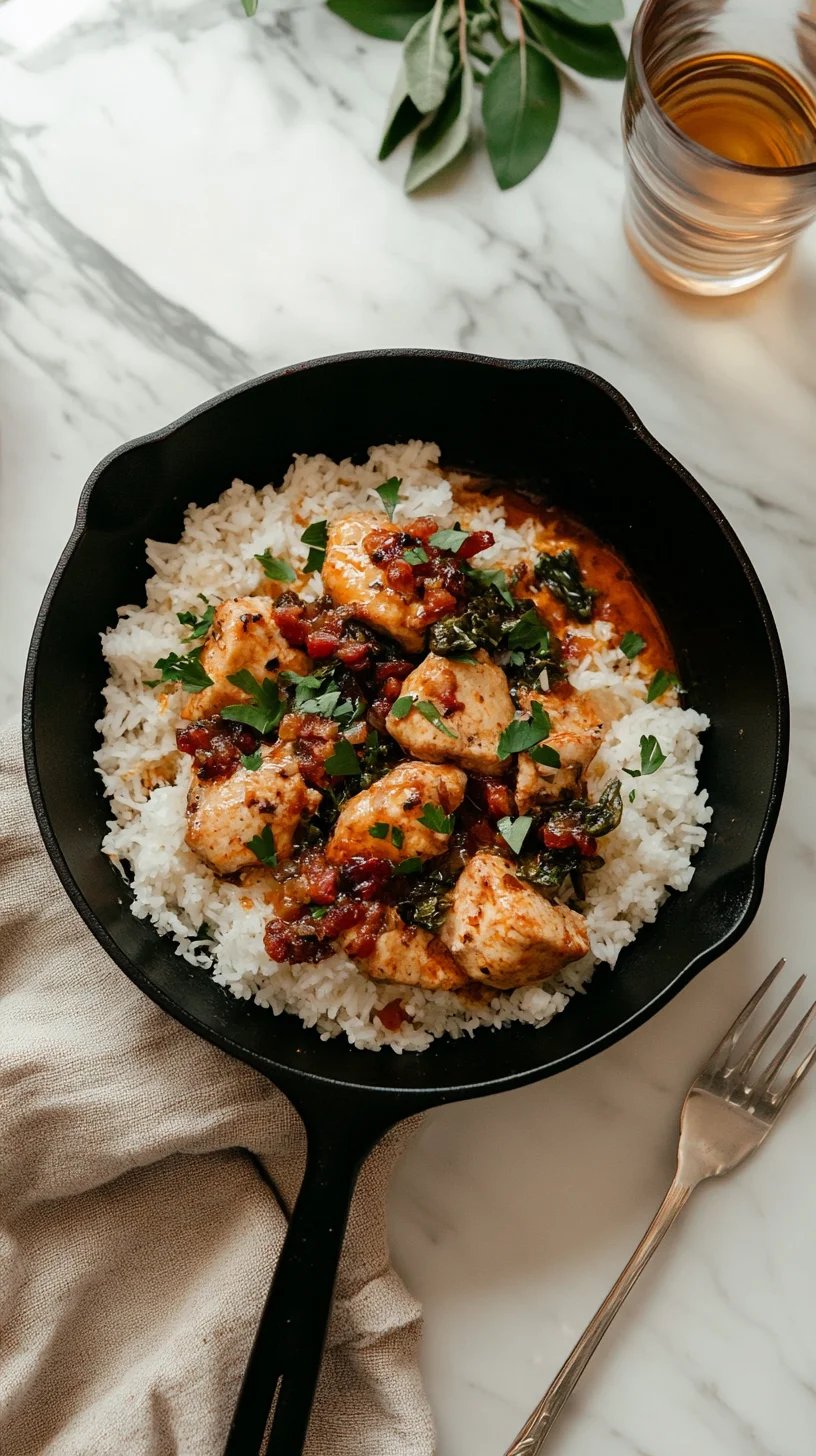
point(146, 778)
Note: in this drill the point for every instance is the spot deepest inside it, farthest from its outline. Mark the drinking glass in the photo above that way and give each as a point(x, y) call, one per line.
point(719, 125)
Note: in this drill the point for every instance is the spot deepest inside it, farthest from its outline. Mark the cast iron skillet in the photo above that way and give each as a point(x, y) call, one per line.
point(567, 436)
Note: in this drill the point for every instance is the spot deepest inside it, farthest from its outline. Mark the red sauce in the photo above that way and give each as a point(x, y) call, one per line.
point(216, 746)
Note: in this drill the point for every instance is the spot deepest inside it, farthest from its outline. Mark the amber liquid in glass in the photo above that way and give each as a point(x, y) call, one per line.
point(742, 108)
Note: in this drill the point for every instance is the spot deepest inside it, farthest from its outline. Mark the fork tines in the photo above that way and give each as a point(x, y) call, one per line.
point(732, 1061)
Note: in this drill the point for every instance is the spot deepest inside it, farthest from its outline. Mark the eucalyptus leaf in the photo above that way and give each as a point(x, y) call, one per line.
point(403, 117)
point(594, 50)
point(428, 60)
point(440, 142)
point(520, 107)
point(586, 12)
point(387, 19)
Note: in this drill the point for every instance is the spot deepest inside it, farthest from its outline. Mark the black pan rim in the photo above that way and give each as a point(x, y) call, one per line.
point(420, 1096)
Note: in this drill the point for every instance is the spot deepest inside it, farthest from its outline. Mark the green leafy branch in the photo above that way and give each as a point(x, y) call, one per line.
point(452, 46)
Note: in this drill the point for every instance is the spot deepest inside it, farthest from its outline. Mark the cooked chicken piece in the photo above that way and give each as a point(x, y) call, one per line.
point(353, 579)
point(475, 705)
point(223, 814)
point(577, 731)
point(243, 635)
point(504, 932)
point(407, 955)
point(396, 802)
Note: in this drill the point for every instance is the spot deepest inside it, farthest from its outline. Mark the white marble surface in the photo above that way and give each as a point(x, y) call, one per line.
point(188, 198)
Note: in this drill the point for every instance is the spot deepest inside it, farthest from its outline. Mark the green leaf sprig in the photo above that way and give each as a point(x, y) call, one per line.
point(263, 847)
point(199, 626)
point(651, 757)
point(524, 733)
point(661, 682)
point(452, 46)
point(275, 567)
point(389, 495)
point(433, 817)
point(514, 831)
point(316, 537)
point(267, 707)
point(186, 670)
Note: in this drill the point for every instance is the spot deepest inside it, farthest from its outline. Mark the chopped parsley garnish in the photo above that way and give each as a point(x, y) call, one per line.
point(267, 707)
point(497, 579)
point(378, 830)
point(524, 733)
point(631, 796)
point(263, 847)
point(318, 911)
point(435, 818)
point(562, 575)
point(187, 670)
point(252, 761)
point(316, 537)
point(305, 687)
point(651, 757)
point(402, 707)
point(409, 866)
point(389, 495)
point(514, 831)
point(433, 715)
point(661, 681)
point(449, 540)
point(415, 555)
point(546, 756)
point(397, 836)
point(529, 634)
point(199, 626)
point(275, 567)
point(631, 644)
point(344, 761)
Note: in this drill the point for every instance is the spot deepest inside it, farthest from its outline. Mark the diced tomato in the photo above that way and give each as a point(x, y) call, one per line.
point(216, 745)
point(494, 795)
point(365, 875)
point(400, 576)
point(384, 670)
point(477, 541)
point(291, 623)
point(391, 689)
point(559, 834)
point(354, 654)
point(393, 1015)
point(437, 603)
point(322, 642)
point(320, 876)
point(283, 941)
point(423, 529)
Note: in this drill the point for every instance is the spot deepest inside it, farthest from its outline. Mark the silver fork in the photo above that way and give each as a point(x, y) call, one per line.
point(726, 1115)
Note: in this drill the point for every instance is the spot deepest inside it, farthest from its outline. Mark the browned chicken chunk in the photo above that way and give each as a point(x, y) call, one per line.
point(355, 581)
point(243, 635)
point(473, 704)
point(577, 731)
point(504, 932)
point(396, 802)
point(224, 814)
point(407, 955)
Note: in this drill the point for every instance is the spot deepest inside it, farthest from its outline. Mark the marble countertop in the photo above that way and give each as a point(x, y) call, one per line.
point(188, 198)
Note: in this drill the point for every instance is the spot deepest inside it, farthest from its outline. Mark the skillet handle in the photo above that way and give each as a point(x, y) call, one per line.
point(284, 1363)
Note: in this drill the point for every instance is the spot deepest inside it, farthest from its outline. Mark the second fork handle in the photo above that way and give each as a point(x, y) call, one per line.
point(533, 1434)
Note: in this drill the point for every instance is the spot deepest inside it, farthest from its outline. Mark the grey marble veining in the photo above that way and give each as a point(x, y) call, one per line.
point(188, 198)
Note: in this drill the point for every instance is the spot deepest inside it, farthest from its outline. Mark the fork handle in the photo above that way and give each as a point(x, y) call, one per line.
point(534, 1433)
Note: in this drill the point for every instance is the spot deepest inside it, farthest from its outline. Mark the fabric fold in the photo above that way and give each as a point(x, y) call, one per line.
point(138, 1234)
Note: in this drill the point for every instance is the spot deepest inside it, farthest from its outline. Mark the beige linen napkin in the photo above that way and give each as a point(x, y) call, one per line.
point(138, 1233)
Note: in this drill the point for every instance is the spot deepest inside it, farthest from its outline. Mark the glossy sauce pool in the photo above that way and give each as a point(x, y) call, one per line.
point(620, 600)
